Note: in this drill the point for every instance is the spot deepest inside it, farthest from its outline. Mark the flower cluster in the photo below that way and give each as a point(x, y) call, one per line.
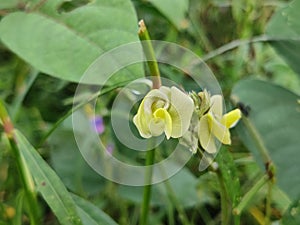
point(212, 123)
point(173, 112)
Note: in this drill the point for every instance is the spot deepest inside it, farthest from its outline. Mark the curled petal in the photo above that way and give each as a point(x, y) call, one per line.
point(140, 121)
point(163, 115)
point(181, 110)
point(231, 118)
point(145, 113)
point(156, 126)
point(205, 136)
point(155, 98)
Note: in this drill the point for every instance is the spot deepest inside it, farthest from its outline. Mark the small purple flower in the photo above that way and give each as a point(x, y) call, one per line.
point(98, 124)
point(110, 149)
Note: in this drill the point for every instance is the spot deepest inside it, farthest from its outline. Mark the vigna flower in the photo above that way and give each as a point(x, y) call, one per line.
point(213, 124)
point(164, 110)
point(193, 118)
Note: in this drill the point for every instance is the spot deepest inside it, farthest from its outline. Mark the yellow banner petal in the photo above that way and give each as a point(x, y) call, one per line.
point(231, 118)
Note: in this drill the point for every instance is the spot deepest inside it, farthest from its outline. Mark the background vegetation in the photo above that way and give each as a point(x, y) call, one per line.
point(251, 46)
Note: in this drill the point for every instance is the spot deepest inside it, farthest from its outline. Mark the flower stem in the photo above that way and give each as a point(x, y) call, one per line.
point(225, 206)
point(149, 54)
point(172, 195)
point(269, 167)
point(268, 204)
point(33, 209)
point(24, 82)
point(258, 141)
point(224, 200)
point(181, 213)
point(250, 194)
point(76, 107)
point(150, 155)
point(236, 43)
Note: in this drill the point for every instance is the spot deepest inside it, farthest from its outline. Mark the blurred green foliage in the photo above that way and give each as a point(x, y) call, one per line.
point(252, 48)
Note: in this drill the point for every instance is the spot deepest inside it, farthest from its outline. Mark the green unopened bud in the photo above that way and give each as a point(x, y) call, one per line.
point(204, 102)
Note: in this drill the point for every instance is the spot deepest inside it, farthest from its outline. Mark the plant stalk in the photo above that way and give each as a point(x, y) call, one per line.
point(75, 108)
point(258, 141)
point(26, 179)
point(149, 54)
point(269, 176)
point(268, 203)
point(250, 194)
point(150, 155)
point(224, 200)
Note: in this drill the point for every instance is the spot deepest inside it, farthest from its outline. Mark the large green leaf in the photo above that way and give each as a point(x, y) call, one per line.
point(4, 4)
point(91, 214)
point(48, 184)
point(174, 10)
point(65, 44)
point(275, 114)
point(284, 28)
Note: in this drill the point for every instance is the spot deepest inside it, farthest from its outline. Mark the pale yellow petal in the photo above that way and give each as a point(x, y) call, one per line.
point(143, 132)
point(140, 121)
point(231, 118)
point(205, 136)
point(156, 126)
point(155, 99)
point(216, 105)
point(166, 118)
point(181, 110)
point(166, 91)
point(219, 130)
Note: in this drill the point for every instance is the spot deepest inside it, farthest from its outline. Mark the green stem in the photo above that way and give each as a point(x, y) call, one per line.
point(268, 203)
point(257, 140)
point(234, 44)
point(224, 200)
point(237, 219)
point(225, 213)
point(22, 90)
point(26, 179)
point(179, 208)
point(154, 71)
point(172, 196)
point(250, 194)
point(171, 217)
point(150, 155)
point(269, 165)
point(75, 108)
point(149, 54)
point(269, 176)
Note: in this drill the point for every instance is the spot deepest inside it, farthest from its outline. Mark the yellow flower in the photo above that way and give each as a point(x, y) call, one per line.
point(164, 110)
point(215, 125)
